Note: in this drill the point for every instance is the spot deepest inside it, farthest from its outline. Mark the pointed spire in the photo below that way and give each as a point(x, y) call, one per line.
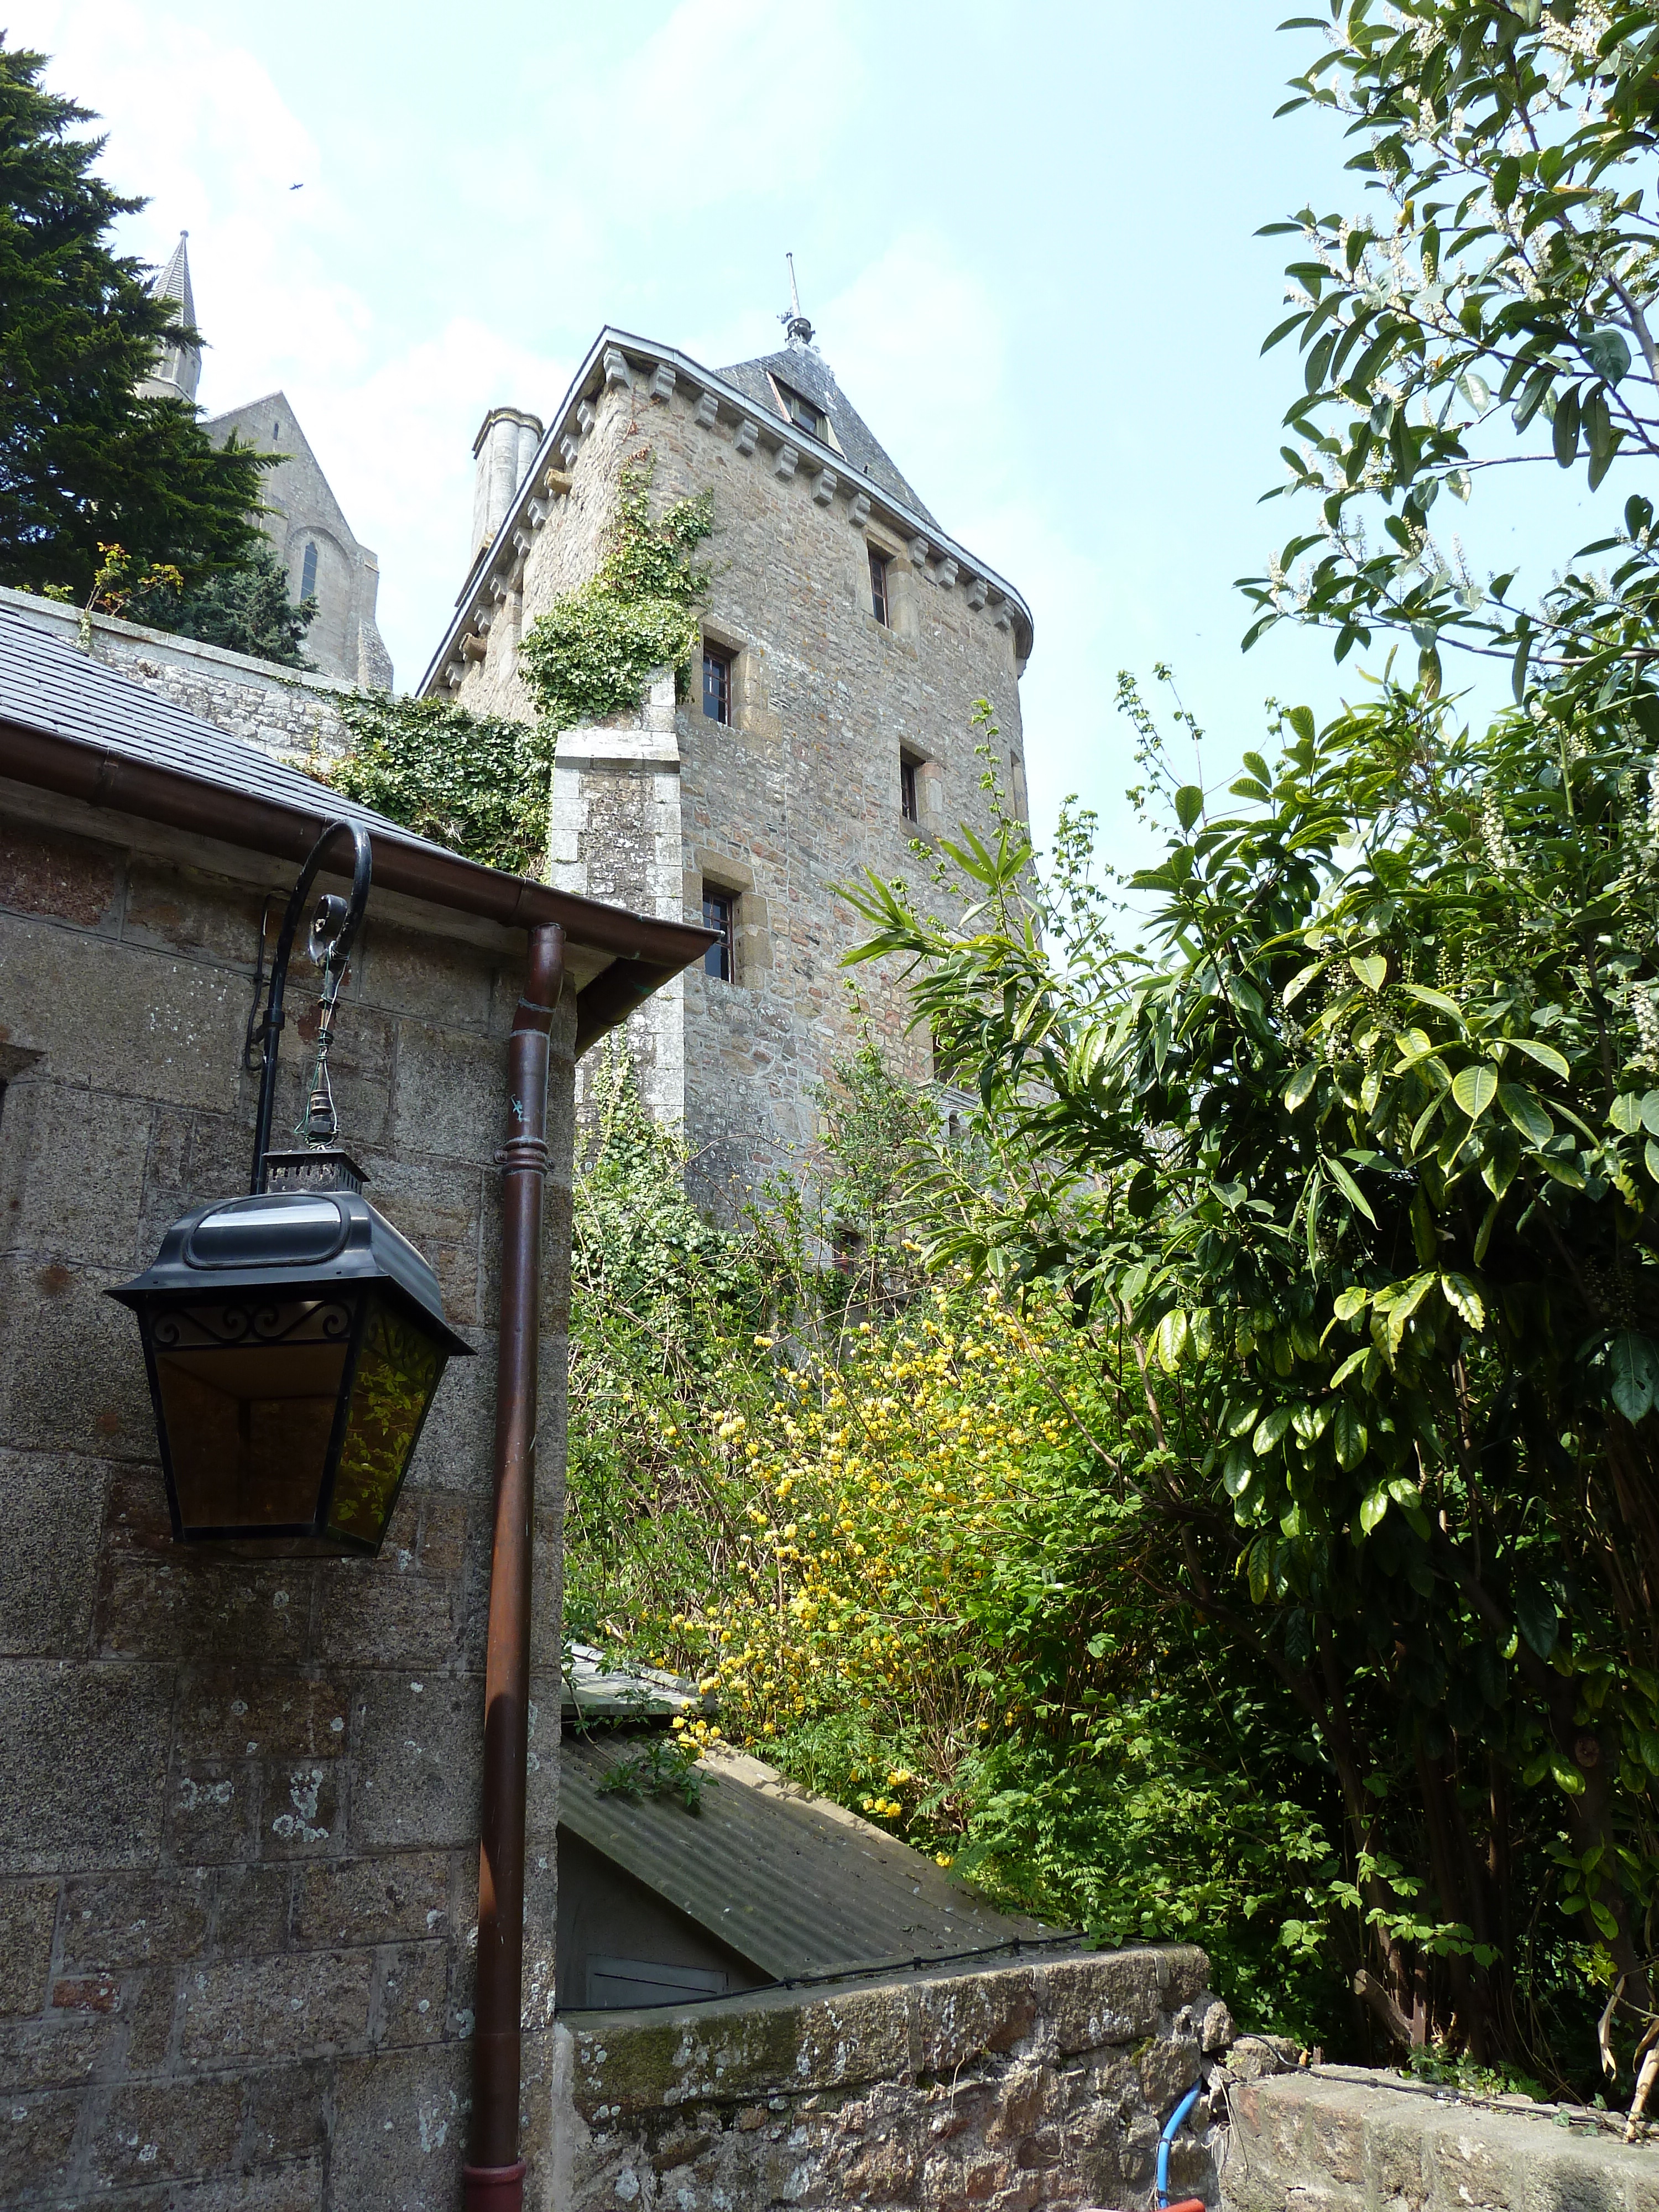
point(798, 329)
point(178, 369)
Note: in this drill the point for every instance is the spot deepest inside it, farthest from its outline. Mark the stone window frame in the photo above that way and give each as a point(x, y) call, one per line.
point(924, 776)
point(751, 933)
point(902, 616)
point(742, 677)
point(725, 661)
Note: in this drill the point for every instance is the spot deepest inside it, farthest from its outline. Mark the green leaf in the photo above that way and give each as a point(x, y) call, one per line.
point(1545, 1055)
point(1352, 1301)
point(1474, 1088)
point(1373, 1506)
point(1371, 969)
point(1609, 356)
point(1436, 998)
point(1565, 432)
point(1651, 1158)
point(1257, 767)
point(1632, 1374)
point(1650, 1113)
point(1535, 1616)
point(1188, 804)
point(1349, 1437)
point(1271, 1431)
point(1299, 1088)
point(1626, 1113)
point(1350, 1189)
point(1170, 1341)
point(1464, 1300)
point(1524, 1108)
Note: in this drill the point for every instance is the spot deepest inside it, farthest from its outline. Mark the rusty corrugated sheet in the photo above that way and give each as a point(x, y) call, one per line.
point(795, 1884)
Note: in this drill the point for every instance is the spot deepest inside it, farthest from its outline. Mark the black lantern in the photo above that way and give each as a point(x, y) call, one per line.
point(294, 1341)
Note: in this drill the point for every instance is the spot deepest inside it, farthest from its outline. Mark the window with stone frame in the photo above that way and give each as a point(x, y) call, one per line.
point(720, 913)
point(716, 684)
point(880, 604)
point(909, 792)
point(309, 569)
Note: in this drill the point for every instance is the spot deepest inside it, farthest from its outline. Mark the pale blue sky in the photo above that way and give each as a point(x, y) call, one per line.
point(1024, 231)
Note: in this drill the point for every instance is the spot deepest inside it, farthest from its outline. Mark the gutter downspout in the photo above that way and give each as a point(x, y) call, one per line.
point(494, 2174)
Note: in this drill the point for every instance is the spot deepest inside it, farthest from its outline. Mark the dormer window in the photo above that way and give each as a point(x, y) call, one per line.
point(803, 414)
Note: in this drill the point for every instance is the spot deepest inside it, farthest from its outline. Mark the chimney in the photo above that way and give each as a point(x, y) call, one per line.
point(503, 451)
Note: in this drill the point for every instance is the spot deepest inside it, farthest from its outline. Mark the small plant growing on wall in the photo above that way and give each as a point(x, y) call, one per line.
point(476, 783)
point(592, 652)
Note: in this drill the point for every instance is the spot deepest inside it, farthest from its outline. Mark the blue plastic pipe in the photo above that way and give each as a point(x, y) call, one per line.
point(1171, 2130)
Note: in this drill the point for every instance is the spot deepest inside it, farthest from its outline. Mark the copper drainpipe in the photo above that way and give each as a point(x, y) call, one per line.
point(494, 2176)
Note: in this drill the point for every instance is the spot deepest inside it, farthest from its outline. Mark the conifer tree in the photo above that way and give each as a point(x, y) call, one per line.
point(84, 460)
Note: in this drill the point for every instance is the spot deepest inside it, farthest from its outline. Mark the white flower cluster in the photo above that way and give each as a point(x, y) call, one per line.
point(1589, 26)
point(1645, 1010)
point(1496, 838)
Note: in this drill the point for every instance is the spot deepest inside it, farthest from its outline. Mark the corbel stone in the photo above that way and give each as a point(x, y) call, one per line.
point(748, 432)
point(615, 367)
point(584, 416)
point(788, 456)
point(1004, 616)
point(823, 487)
point(537, 512)
point(918, 550)
point(663, 382)
point(521, 543)
point(475, 647)
point(708, 410)
point(481, 618)
point(569, 448)
point(556, 484)
point(945, 575)
point(500, 588)
point(859, 513)
point(454, 673)
point(977, 593)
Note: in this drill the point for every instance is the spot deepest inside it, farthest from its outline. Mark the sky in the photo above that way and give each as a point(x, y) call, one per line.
point(1023, 228)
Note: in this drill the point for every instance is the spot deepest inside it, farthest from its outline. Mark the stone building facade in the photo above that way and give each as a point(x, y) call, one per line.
point(240, 1792)
point(846, 640)
point(306, 526)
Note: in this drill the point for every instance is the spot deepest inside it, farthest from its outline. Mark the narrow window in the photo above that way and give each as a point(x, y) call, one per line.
point(716, 684)
point(719, 913)
point(803, 413)
point(908, 802)
point(308, 571)
point(879, 587)
point(276, 429)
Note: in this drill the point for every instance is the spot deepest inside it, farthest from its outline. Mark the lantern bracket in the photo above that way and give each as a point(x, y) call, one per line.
point(330, 937)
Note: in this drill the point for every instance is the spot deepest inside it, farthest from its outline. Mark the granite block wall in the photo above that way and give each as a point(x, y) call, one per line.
point(1015, 2088)
point(800, 791)
point(239, 1796)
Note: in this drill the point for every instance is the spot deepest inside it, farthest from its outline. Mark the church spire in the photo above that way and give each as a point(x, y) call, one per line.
point(178, 369)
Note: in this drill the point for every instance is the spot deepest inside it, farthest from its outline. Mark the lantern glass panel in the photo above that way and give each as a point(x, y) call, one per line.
point(398, 1370)
point(249, 1394)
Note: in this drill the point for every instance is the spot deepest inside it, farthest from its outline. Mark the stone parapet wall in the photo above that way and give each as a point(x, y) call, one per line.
point(289, 713)
point(1011, 2088)
point(1340, 2139)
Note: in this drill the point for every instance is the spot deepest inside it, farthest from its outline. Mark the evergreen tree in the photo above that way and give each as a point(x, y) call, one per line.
point(84, 461)
point(245, 609)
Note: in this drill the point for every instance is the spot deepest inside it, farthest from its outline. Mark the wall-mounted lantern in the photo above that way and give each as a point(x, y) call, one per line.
point(294, 1341)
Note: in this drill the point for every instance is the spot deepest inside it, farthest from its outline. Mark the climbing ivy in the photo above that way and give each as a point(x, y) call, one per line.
point(478, 784)
point(592, 653)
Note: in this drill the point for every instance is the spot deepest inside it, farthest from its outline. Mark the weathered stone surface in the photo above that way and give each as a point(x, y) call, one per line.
point(55, 1513)
point(82, 1778)
point(28, 1913)
point(1339, 2140)
point(116, 1920)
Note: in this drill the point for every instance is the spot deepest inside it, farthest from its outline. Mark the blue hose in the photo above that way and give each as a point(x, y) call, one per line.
point(1171, 2130)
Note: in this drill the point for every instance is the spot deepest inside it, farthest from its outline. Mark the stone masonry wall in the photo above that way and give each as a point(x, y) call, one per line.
point(239, 1800)
point(288, 712)
point(1012, 2088)
point(1341, 2139)
point(801, 792)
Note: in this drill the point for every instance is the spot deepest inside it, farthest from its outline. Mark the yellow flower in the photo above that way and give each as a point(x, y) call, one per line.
point(942, 1858)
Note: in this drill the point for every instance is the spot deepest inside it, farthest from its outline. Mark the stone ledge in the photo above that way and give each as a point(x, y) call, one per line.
point(1341, 2140)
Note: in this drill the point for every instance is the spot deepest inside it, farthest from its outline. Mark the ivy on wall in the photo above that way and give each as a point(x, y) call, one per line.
point(592, 652)
point(479, 784)
point(483, 785)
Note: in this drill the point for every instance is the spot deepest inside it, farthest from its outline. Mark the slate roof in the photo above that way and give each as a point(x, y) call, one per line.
point(793, 1883)
point(47, 684)
point(805, 368)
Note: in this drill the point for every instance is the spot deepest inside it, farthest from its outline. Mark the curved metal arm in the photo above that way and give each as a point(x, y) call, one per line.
point(271, 1029)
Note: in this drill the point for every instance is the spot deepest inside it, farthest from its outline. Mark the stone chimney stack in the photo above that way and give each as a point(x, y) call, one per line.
point(503, 451)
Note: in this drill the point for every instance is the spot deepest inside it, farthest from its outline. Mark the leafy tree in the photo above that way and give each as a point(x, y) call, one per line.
point(1351, 1163)
point(83, 460)
point(245, 609)
point(1504, 292)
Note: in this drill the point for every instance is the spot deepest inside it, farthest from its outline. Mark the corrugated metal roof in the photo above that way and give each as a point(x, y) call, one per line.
point(794, 1884)
point(599, 1688)
point(48, 684)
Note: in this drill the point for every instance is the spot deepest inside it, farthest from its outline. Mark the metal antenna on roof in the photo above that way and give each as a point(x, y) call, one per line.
point(795, 323)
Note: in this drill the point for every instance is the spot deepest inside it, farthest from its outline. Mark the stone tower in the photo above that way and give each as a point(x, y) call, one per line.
point(828, 729)
point(311, 537)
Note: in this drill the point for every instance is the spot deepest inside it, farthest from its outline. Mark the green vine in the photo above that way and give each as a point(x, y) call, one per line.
point(480, 785)
point(592, 652)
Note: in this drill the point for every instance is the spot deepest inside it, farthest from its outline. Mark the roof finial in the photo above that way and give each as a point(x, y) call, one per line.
point(795, 323)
